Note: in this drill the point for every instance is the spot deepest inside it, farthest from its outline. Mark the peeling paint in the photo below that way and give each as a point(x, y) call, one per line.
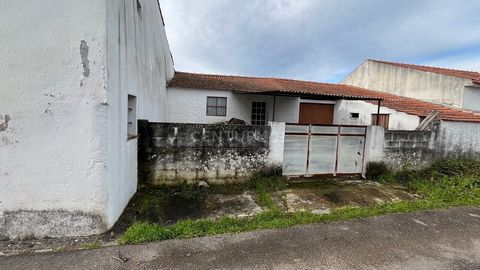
point(84, 54)
point(4, 125)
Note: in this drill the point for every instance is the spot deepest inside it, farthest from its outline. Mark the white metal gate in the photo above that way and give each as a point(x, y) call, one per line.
point(316, 150)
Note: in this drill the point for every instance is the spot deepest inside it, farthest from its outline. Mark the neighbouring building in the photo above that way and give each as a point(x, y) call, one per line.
point(74, 78)
point(202, 98)
point(450, 87)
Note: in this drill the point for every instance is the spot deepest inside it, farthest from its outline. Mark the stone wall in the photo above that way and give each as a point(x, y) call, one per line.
point(172, 153)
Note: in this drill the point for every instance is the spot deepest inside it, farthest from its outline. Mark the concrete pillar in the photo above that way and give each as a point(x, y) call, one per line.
point(277, 138)
point(374, 142)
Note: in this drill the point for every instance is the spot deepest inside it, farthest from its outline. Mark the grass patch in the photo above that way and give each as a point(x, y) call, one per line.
point(445, 184)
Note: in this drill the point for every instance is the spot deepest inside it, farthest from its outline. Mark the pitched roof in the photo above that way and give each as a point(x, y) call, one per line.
point(471, 75)
point(268, 85)
point(257, 85)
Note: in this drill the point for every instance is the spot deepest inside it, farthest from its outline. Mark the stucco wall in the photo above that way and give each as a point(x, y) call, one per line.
point(409, 82)
point(471, 98)
point(139, 64)
point(52, 87)
point(398, 120)
point(66, 67)
point(190, 105)
point(459, 138)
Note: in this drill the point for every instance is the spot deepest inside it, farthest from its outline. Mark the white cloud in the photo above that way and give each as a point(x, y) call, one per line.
point(316, 40)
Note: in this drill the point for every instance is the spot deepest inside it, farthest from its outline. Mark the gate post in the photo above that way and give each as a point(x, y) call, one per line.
point(374, 143)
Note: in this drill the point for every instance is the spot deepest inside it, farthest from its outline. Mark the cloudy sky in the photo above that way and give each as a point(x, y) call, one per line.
point(319, 40)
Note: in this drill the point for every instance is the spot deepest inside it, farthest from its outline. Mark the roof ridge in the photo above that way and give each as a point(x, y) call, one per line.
point(424, 66)
point(261, 78)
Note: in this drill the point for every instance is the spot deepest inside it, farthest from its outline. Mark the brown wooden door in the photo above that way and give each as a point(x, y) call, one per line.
point(317, 114)
point(383, 121)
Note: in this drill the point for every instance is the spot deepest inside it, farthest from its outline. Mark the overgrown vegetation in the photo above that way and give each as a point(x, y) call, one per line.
point(446, 183)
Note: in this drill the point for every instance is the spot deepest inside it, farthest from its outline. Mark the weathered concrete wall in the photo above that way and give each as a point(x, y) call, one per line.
point(409, 82)
point(398, 120)
point(471, 98)
point(409, 149)
point(458, 139)
point(66, 68)
point(175, 153)
point(416, 149)
point(190, 106)
point(276, 144)
point(52, 98)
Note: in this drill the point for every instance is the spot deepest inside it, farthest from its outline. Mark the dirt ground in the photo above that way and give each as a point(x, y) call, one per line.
point(166, 207)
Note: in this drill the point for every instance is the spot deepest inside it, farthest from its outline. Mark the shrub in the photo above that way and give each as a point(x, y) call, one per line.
point(378, 170)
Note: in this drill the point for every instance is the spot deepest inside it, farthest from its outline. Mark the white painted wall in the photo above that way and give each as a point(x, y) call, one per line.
point(398, 120)
point(187, 105)
point(53, 152)
point(276, 143)
point(66, 167)
point(471, 98)
point(460, 137)
point(139, 64)
point(409, 82)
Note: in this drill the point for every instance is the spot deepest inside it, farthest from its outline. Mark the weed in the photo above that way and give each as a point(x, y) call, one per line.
point(448, 183)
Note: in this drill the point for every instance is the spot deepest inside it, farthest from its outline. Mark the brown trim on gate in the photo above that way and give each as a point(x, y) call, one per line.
point(363, 154)
point(336, 152)
point(308, 148)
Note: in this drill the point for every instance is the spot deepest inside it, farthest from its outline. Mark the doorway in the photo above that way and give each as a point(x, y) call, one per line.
point(316, 114)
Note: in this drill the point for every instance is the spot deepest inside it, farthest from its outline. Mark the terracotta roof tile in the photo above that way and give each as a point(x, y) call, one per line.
point(288, 86)
point(471, 75)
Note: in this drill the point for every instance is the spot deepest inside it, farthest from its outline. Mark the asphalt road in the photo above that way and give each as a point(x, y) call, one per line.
point(443, 239)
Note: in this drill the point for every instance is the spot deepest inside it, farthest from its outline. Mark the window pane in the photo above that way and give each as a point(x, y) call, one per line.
point(222, 102)
point(211, 111)
point(211, 101)
point(221, 111)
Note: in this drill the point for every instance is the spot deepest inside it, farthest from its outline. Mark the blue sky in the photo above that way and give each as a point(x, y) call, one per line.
point(319, 40)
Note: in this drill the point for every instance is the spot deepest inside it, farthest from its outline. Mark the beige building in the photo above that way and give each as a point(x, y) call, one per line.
point(439, 85)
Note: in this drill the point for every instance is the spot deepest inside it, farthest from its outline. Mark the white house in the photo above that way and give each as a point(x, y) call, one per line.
point(74, 78)
point(202, 98)
point(450, 87)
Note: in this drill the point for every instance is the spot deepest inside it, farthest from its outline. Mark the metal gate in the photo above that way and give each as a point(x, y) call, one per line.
point(318, 150)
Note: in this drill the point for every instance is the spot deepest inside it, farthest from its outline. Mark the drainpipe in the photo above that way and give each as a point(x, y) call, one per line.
point(378, 112)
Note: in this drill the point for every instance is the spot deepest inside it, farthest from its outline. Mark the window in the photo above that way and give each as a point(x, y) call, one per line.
point(259, 112)
point(216, 106)
point(354, 115)
point(132, 117)
point(382, 121)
